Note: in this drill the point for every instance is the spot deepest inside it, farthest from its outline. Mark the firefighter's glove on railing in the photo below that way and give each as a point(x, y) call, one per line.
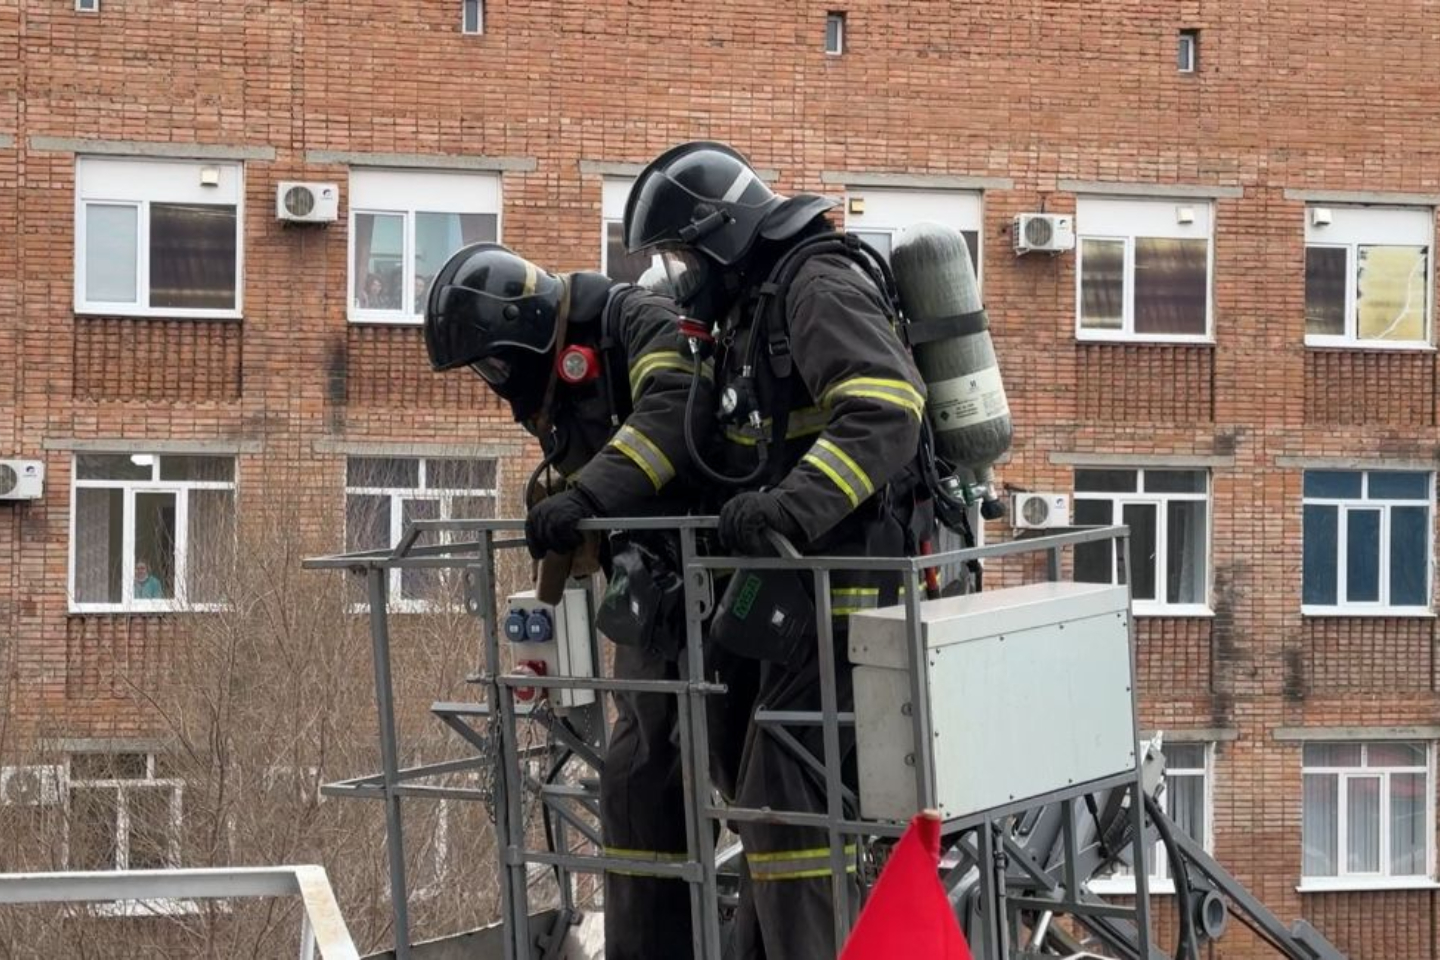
point(746, 522)
point(550, 524)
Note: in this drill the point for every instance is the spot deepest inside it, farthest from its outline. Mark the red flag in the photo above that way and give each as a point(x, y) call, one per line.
point(908, 914)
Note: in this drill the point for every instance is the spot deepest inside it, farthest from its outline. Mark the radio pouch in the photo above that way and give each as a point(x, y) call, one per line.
point(766, 615)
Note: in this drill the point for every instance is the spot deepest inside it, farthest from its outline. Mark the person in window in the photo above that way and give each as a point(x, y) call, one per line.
point(614, 430)
point(147, 586)
point(833, 380)
point(372, 294)
point(422, 284)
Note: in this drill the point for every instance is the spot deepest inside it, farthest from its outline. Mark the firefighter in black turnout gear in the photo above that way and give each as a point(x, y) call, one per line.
point(614, 430)
point(822, 406)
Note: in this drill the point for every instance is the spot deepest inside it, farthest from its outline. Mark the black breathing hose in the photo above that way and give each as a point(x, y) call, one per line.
point(714, 476)
point(1186, 948)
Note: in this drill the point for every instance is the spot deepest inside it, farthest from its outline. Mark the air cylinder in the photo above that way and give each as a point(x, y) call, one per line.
point(950, 338)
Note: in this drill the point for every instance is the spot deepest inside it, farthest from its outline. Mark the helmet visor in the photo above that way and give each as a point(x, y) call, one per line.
point(493, 370)
point(686, 273)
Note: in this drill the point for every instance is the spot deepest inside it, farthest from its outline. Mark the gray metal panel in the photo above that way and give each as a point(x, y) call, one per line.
point(877, 637)
point(1066, 651)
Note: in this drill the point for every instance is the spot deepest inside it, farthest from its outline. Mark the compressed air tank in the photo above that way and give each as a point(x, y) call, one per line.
point(950, 338)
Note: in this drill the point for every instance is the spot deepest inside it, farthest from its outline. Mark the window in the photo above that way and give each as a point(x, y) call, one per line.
point(1368, 812)
point(1187, 57)
point(1168, 513)
point(151, 533)
point(1187, 794)
point(877, 215)
point(158, 238)
point(1143, 269)
point(123, 812)
point(1366, 541)
point(403, 227)
point(472, 16)
point(835, 33)
point(87, 6)
point(1367, 276)
point(614, 261)
point(383, 494)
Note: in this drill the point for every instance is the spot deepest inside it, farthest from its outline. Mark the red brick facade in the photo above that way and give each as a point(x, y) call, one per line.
point(1288, 97)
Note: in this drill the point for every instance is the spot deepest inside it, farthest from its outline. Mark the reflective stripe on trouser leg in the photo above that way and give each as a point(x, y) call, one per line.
point(806, 864)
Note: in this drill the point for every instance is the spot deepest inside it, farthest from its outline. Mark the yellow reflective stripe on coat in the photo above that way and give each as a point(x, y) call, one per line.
point(649, 856)
point(802, 423)
point(643, 452)
point(843, 471)
point(662, 360)
point(795, 864)
point(897, 392)
point(847, 600)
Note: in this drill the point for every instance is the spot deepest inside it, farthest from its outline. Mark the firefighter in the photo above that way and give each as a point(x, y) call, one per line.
point(593, 368)
point(828, 382)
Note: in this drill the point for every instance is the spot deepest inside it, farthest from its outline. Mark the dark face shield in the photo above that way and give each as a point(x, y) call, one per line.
point(493, 370)
point(686, 272)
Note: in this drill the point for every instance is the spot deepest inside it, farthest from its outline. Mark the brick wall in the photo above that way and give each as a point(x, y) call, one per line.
point(1313, 96)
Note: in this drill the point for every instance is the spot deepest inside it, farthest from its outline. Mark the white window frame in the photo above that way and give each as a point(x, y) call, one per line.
point(122, 815)
point(1381, 607)
point(1159, 607)
point(1187, 54)
point(138, 183)
point(87, 6)
point(1384, 879)
point(614, 192)
point(396, 602)
point(479, 18)
point(889, 210)
point(406, 193)
point(181, 490)
point(1124, 220)
point(838, 18)
point(1352, 227)
point(1122, 882)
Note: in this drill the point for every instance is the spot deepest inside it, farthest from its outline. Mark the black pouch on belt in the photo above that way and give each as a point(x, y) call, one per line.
point(766, 615)
point(643, 599)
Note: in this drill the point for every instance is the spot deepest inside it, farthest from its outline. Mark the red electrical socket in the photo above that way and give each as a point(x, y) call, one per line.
point(529, 696)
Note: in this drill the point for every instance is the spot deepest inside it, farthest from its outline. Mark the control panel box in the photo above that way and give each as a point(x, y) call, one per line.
point(551, 641)
point(1060, 649)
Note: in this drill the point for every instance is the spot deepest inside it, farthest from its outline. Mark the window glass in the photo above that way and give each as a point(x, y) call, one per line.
point(114, 466)
point(619, 265)
point(1186, 532)
point(1102, 284)
point(99, 541)
point(202, 469)
point(1106, 481)
point(1140, 518)
point(1320, 838)
point(1325, 269)
point(1321, 577)
point(154, 557)
point(460, 474)
point(1399, 485)
point(111, 251)
point(1171, 286)
point(1362, 569)
point(437, 236)
point(192, 256)
point(1390, 297)
point(1333, 484)
point(383, 472)
point(379, 270)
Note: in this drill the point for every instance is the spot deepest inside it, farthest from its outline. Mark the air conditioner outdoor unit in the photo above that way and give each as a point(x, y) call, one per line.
point(307, 202)
point(31, 786)
point(1041, 511)
point(1044, 233)
point(21, 479)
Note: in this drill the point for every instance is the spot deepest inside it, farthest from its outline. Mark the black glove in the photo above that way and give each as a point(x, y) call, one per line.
point(550, 524)
point(745, 519)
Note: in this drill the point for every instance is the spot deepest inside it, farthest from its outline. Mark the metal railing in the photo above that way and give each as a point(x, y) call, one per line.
point(322, 928)
point(496, 714)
